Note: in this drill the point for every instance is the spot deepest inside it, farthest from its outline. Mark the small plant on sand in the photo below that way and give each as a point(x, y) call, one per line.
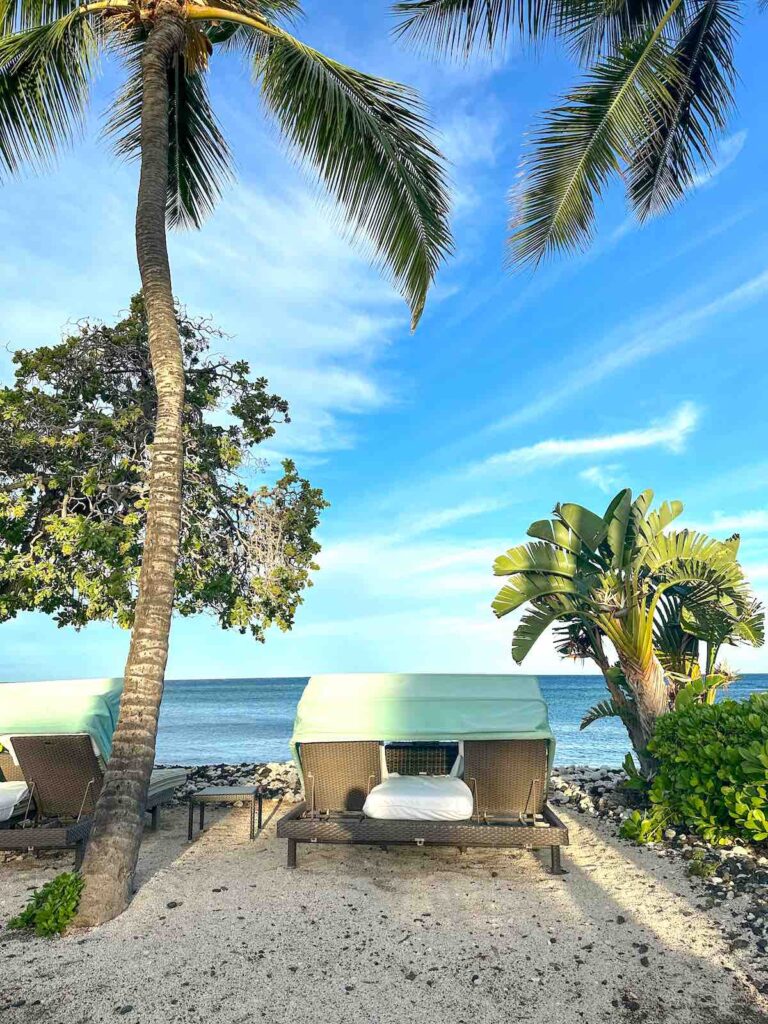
point(642, 828)
point(52, 907)
point(699, 866)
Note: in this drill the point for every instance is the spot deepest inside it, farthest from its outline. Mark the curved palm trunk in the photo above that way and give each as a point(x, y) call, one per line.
point(112, 852)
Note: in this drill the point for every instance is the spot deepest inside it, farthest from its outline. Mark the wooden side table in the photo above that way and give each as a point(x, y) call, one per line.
point(225, 795)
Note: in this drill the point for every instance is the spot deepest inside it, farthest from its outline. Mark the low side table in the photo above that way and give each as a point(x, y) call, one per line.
point(225, 795)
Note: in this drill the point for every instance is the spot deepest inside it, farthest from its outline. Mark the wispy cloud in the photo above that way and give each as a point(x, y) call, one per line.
point(735, 522)
point(670, 434)
point(727, 152)
point(603, 477)
point(633, 342)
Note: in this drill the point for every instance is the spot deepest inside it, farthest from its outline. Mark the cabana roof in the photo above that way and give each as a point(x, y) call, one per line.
point(421, 707)
point(62, 706)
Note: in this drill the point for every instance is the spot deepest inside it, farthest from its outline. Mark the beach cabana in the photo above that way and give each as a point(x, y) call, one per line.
point(461, 760)
point(56, 737)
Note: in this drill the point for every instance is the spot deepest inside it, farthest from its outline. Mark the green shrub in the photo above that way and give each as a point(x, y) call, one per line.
point(52, 907)
point(713, 768)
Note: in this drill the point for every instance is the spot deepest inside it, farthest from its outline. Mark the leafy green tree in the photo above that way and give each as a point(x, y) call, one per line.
point(76, 431)
point(656, 97)
point(367, 140)
point(620, 582)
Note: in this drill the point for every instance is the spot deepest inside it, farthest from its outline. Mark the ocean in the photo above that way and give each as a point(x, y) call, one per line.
point(230, 721)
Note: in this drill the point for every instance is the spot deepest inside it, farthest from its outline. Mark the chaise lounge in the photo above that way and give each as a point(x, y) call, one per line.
point(59, 773)
point(381, 760)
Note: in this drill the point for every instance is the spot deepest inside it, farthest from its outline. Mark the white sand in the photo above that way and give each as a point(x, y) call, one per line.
point(359, 935)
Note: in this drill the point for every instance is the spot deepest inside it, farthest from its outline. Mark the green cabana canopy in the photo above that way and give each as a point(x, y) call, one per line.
point(421, 707)
point(62, 706)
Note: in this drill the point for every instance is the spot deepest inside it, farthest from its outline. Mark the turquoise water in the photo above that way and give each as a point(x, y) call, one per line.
point(213, 721)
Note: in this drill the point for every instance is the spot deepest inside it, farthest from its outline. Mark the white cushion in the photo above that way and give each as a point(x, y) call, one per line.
point(420, 798)
point(12, 797)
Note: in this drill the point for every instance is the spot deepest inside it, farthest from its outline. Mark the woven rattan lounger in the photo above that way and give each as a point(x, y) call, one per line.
point(65, 778)
point(508, 779)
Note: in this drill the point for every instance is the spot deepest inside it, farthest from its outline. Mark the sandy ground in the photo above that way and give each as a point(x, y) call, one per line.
point(220, 931)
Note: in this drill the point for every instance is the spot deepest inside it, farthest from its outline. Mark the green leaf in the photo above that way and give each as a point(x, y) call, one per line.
point(44, 82)
point(590, 528)
point(462, 27)
point(199, 160)
point(535, 558)
point(617, 516)
point(603, 709)
point(578, 146)
point(367, 138)
point(531, 626)
point(554, 532)
point(666, 162)
point(523, 588)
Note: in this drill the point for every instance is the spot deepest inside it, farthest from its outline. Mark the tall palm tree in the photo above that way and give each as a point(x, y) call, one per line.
point(623, 579)
point(367, 140)
point(655, 99)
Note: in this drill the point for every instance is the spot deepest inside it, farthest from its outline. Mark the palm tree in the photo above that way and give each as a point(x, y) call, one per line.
point(367, 140)
point(655, 99)
point(622, 578)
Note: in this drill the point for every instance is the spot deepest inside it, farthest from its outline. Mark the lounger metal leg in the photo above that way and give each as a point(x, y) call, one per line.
point(261, 800)
point(291, 853)
point(556, 866)
point(191, 819)
point(153, 815)
point(253, 816)
point(202, 816)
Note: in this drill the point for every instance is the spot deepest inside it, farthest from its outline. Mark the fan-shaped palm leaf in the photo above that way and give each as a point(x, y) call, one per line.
point(531, 626)
point(535, 558)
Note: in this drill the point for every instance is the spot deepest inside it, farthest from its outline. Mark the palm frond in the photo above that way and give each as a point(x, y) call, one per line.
point(603, 709)
point(463, 27)
point(21, 15)
point(582, 143)
point(531, 626)
point(44, 82)
point(596, 28)
point(367, 138)
point(199, 160)
point(668, 160)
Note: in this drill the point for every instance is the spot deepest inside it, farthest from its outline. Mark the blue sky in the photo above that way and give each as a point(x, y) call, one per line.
point(641, 363)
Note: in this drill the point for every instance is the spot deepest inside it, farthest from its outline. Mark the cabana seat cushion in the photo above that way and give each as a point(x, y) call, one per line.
point(14, 797)
point(420, 798)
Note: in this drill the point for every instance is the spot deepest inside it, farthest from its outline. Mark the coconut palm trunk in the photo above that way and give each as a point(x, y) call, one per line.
point(114, 845)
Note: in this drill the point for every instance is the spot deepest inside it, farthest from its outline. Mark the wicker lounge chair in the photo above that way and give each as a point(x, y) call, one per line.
point(508, 745)
point(339, 776)
point(508, 778)
point(512, 824)
point(65, 776)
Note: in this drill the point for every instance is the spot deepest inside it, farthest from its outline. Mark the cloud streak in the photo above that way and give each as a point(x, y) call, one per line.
point(632, 343)
point(671, 435)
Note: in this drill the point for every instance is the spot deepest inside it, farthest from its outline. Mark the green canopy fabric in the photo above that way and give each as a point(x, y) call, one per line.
point(62, 706)
point(421, 707)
